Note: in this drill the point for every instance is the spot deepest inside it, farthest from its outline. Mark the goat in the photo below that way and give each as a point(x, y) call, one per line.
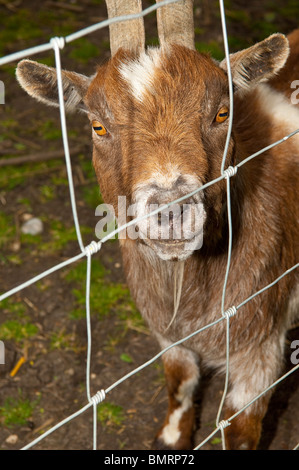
point(159, 120)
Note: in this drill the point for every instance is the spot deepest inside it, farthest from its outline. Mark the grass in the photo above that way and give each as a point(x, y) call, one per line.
point(92, 195)
point(7, 229)
point(104, 296)
point(47, 193)
point(87, 167)
point(126, 358)
point(12, 307)
point(25, 201)
point(61, 236)
point(10, 179)
point(62, 341)
point(213, 47)
point(50, 130)
point(289, 9)
point(216, 441)
point(17, 331)
point(83, 50)
point(13, 176)
point(18, 27)
point(110, 415)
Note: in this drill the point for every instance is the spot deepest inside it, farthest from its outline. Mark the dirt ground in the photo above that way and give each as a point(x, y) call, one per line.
point(45, 322)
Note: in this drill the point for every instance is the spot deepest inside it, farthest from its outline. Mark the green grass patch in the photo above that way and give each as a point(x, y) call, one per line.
point(61, 236)
point(25, 201)
point(63, 341)
point(59, 180)
point(83, 50)
point(62, 22)
point(17, 326)
point(110, 415)
point(7, 229)
point(10, 177)
point(9, 124)
point(238, 16)
point(290, 9)
point(212, 47)
point(19, 26)
point(10, 306)
point(216, 441)
point(47, 192)
point(92, 195)
point(14, 259)
point(17, 331)
point(237, 44)
point(126, 358)
point(13, 176)
point(130, 318)
point(50, 130)
point(264, 28)
point(87, 167)
point(104, 295)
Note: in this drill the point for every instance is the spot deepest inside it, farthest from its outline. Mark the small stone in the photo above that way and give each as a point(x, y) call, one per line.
point(26, 217)
point(33, 226)
point(12, 439)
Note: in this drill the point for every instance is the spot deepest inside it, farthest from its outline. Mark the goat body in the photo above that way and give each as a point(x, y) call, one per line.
point(164, 117)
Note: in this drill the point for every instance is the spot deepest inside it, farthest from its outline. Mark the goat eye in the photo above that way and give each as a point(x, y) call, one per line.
point(222, 114)
point(99, 128)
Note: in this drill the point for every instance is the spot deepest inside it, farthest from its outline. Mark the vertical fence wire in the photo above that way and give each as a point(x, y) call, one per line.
point(88, 251)
point(58, 43)
point(229, 214)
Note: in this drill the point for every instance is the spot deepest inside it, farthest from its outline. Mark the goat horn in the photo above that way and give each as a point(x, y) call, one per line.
point(127, 34)
point(176, 24)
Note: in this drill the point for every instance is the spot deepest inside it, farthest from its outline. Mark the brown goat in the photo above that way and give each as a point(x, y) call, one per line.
point(160, 119)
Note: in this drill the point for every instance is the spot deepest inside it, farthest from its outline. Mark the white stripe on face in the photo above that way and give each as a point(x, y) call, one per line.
point(139, 73)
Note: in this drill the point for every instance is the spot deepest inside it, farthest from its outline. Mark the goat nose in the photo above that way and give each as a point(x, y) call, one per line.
point(166, 191)
point(174, 217)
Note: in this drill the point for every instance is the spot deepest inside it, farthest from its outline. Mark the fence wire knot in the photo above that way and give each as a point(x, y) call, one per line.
point(223, 424)
point(98, 397)
point(230, 312)
point(92, 248)
point(230, 171)
point(59, 41)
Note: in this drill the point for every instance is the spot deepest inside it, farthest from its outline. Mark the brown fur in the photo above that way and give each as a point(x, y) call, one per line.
point(290, 72)
point(244, 431)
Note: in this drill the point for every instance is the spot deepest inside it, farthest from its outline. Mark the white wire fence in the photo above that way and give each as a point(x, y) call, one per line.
point(56, 44)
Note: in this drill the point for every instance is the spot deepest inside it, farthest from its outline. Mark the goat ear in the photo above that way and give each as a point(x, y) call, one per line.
point(40, 81)
point(259, 62)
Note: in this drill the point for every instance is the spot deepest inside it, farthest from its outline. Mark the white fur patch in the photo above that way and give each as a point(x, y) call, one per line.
point(251, 377)
point(171, 432)
point(165, 177)
point(139, 73)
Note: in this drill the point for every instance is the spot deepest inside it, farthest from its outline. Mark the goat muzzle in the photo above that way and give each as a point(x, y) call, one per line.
point(174, 227)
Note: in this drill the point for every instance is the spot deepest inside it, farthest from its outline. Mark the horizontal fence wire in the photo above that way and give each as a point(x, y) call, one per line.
point(88, 251)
